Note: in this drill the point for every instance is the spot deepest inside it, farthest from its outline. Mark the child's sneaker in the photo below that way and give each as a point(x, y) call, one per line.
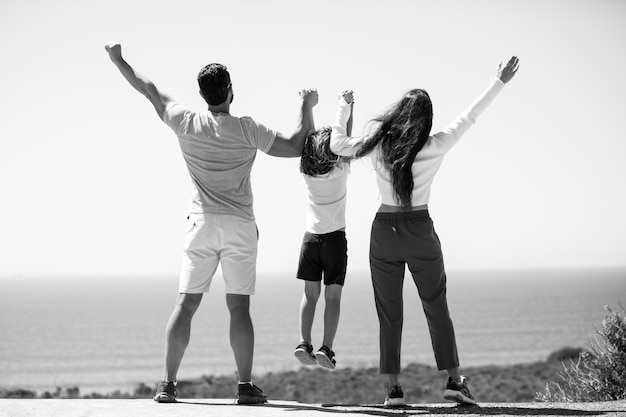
point(248, 393)
point(326, 357)
point(165, 392)
point(304, 353)
point(459, 392)
point(395, 397)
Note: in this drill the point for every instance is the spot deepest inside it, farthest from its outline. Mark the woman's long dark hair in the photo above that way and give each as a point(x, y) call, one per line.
point(401, 133)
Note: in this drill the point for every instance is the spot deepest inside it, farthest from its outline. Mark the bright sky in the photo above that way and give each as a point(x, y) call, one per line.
point(91, 182)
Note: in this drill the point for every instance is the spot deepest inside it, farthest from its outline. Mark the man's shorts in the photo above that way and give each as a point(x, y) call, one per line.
point(213, 239)
point(325, 254)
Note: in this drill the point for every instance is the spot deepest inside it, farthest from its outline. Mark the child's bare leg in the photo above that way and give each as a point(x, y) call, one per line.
point(332, 295)
point(312, 291)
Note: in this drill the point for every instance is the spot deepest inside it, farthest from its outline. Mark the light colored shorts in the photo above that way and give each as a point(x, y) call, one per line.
point(213, 239)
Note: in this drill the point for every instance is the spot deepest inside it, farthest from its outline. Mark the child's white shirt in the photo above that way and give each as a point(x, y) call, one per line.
point(326, 200)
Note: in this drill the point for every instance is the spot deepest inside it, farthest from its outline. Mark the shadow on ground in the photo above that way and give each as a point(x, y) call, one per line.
point(533, 409)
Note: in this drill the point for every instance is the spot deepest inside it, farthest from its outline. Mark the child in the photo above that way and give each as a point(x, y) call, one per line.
point(324, 246)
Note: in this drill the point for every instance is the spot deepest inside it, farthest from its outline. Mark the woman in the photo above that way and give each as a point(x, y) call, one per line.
point(406, 158)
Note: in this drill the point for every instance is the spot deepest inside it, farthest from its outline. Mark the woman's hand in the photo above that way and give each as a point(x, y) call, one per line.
point(508, 72)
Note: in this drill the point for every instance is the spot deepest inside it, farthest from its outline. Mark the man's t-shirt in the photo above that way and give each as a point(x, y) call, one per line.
point(219, 150)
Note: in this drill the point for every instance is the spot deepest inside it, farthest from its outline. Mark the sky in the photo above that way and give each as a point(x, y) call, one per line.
point(93, 183)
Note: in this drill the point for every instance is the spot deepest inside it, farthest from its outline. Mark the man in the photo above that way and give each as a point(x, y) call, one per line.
point(219, 150)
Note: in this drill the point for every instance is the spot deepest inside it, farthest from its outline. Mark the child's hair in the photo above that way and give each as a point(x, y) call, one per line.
point(317, 158)
point(401, 133)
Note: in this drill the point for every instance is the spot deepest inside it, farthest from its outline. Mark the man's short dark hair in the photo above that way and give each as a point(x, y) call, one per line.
point(214, 82)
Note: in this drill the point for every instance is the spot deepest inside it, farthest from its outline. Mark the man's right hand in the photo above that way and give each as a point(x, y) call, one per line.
point(309, 97)
point(114, 49)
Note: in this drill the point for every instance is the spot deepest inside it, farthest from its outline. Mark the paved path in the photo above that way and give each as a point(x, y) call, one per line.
point(226, 408)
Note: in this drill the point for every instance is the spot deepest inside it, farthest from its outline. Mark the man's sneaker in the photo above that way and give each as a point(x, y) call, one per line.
point(304, 353)
point(248, 393)
point(459, 392)
point(165, 392)
point(395, 397)
point(326, 357)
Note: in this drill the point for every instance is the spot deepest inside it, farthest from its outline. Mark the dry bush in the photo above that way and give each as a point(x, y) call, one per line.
point(599, 374)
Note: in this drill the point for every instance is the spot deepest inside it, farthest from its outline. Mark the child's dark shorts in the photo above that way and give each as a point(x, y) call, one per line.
point(325, 254)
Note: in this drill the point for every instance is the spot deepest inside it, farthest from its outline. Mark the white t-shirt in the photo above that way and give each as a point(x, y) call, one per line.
point(219, 150)
point(326, 200)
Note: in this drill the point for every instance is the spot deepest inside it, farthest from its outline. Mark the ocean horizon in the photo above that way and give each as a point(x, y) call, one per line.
point(103, 334)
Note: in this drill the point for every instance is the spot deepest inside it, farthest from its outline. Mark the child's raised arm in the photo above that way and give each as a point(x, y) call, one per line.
point(348, 97)
point(341, 143)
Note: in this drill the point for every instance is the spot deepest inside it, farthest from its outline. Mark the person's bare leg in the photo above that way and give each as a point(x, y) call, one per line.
point(395, 396)
point(332, 295)
point(393, 380)
point(312, 291)
point(454, 373)
point(241, 334)
point(178, 332)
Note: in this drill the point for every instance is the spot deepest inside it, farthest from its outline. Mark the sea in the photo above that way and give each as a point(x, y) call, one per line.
point(104, 334)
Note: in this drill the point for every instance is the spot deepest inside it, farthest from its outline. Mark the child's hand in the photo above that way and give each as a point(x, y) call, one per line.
point(309, 96)
point(348, 96)
point(114, 49)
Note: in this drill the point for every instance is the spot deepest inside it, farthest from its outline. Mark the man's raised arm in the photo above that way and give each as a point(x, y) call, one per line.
point(139, 82)
point(289, 147)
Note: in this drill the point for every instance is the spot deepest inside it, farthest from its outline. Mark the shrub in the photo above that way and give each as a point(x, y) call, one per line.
point(17, 393)
point(598, 374)
point(564, 354)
